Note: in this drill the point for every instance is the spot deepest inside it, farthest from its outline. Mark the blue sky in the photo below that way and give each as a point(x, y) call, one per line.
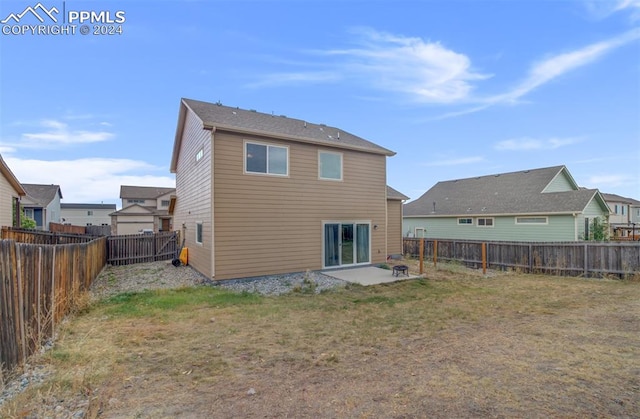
point(457, 88)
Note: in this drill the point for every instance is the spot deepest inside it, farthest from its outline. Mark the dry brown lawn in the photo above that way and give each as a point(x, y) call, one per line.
point(455, 344)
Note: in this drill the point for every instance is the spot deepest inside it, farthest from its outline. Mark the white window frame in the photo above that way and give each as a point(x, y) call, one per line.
point(422, 230)
point(493, 222)
point(199, 155)
point(28, 212)
point(267, 145)
point(320, 153)
point(465, 224)
point(200, 226)
point(535, 223)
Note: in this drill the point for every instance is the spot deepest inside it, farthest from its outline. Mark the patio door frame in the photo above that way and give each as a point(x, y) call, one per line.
point(343, 227)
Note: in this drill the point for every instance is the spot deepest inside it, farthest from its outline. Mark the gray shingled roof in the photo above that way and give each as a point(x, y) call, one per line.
point(41, 195)
point(249, 121)
point(506, 193)
point(609, 197)
point(143, 192)
point(395, 195)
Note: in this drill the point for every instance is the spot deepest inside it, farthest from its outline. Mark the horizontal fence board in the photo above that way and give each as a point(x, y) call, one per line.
point(589, 259)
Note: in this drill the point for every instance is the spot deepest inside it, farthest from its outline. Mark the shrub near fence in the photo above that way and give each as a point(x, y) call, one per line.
point(589, 259)
point(39, 284)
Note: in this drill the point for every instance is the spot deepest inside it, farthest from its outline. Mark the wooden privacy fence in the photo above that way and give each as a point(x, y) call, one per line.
point(589, 259)
point(103, 230)
point(39, 284)
point(138, 248)
point(42, 237)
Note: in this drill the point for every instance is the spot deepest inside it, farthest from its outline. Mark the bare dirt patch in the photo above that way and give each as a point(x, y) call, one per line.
point(456, 344)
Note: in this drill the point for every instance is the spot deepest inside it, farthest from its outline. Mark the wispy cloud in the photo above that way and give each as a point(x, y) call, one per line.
point(422, 70)
point(54, 133)
point(603, 9)
point(529, 144)
point(610, 180)
point(555, 66)
point(100, 176)
point(454, 162)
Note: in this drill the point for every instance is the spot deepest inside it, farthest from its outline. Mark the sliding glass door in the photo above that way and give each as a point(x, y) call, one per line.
point(346, 243)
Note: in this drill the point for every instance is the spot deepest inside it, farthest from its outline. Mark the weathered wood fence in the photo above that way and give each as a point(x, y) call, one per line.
point(139, 248)
point(71, 229)
point(43, 237)
point(39, 284)
point(589, 259)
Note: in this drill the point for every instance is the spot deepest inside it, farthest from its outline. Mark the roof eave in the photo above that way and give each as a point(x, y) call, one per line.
point(214, 127)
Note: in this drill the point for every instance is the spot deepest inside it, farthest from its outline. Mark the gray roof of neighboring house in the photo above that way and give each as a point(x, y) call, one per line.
point(609, 197)
point(505, 193)
point(87, 206)
point(143, 192)
point(40, 195)
point(395, 195)
point(249, 121)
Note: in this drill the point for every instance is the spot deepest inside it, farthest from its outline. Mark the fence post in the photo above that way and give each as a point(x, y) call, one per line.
point(53, 292)
point(435, 253)
point(23, 338)
point(484, 258)
point(421, 256)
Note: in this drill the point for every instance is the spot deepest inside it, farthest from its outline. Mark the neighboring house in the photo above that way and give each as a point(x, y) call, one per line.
point(530, 205)
point(42, 204)
point(624, 220)
point(144, 208)
point(86, 214)
point(11, 191)
point(260, 194)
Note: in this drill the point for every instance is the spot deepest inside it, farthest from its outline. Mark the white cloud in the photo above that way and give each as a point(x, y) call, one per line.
point(603, 9)
point(89, 180)
point(454, 162)
point(55, 133)
point(610, 180)
point(528, 144)
point(425, 71)
point(560, 64)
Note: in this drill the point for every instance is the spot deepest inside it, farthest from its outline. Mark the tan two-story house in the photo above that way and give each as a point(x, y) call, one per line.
point(259, 194)
point(144, 209)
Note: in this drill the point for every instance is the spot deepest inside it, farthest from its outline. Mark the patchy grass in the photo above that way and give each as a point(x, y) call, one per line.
point(454, 344)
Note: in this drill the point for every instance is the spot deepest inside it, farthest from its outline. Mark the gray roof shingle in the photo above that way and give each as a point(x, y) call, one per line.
point(395, 195)
point(249, 121)
point(506, 193)
point(143, 192)
point(41, 195)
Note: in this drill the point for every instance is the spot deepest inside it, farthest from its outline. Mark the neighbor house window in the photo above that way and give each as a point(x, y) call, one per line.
point(89, 212)
point(28, 212)
point(485, 222)
point(329, 165)
point(267, 159)
point(199, 154)
point(419, 232)
point(135, 201)
point(465, 221)
point(199, 232)
point(532, 220)
point(164, 203)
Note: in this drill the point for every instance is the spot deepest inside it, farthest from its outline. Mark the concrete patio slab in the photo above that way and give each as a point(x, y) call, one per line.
point(369, 275)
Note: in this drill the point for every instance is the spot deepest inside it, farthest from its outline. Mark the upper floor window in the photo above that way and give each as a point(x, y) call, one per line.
point(329, 165)
point(485, 222)
point(89, 212)
point(465, 221)
point(267, 159)
point(164, 203)
point(135, 201)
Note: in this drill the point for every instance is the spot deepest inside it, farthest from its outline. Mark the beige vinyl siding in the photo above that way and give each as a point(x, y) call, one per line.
point(394, 227)
point(273, 224)
point(7, 194)
point(193, 193)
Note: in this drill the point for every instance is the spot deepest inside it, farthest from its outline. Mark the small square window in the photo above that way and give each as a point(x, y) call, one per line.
point(465, 221)
point(329, 165)
point(89, 212)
